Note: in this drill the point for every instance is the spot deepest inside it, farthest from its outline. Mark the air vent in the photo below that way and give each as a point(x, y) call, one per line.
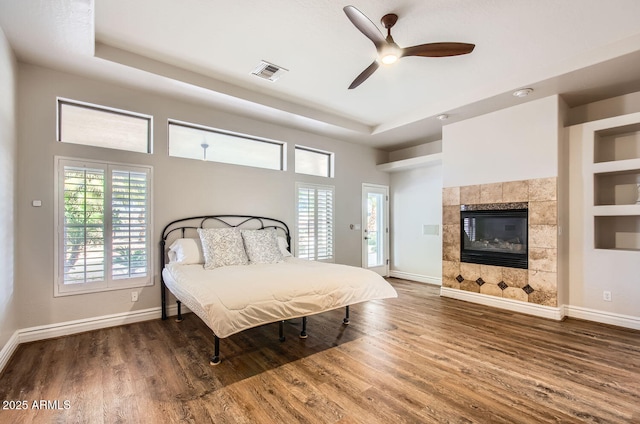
point(269, 71)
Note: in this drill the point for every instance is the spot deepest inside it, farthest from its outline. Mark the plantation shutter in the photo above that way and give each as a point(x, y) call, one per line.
point(129, 221)
point(104, 231)
point(314, 222)
point(84, 225)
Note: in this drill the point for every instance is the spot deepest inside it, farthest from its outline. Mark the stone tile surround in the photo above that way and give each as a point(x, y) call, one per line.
point(539, 283)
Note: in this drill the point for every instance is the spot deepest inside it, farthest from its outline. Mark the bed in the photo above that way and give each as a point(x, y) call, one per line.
point(236, 272)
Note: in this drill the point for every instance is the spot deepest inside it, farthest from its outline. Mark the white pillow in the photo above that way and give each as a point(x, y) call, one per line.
point(282, 244)
point(222, 247)
point(186, 251)
point(262, 246)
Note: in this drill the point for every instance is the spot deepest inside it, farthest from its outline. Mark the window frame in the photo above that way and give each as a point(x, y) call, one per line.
point(330, 229)
point(109, 283)
point(328, 154)
point(281, 144)
point(60, 101)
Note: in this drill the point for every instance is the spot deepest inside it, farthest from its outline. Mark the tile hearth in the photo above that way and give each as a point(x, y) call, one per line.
point(537, 284)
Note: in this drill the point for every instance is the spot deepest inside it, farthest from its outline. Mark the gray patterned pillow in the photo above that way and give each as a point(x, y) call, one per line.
point(222, 247)
point(262, 246)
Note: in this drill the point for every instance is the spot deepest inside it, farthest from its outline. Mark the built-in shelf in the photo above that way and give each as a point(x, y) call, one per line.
point(614, 210)
point(411, 163)
point(617, 232)
point(617, 143)
point(615, 166)
point(617, 188)
point(615, 172)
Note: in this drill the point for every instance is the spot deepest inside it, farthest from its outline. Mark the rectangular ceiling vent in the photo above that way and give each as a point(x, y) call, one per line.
point(269, 71)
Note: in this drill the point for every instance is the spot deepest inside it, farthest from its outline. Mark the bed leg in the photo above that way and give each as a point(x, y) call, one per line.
point(303, 333)
point(179, 319)
point(215, 359)
point(345, 321)
point(163, 296)
point(281, 331)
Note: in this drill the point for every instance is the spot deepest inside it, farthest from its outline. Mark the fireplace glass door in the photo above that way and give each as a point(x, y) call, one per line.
point(494, 237)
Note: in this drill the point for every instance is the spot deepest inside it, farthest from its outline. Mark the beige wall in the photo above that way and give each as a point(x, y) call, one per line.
point(518, 143)
point(563, 205)
point(416, 199)
point(8, 147)
point(182, 187)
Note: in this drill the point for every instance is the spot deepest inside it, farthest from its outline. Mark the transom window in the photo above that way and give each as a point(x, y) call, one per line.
point(100, 126)
point(314, 162)
point(209, 144)
point(103, 237)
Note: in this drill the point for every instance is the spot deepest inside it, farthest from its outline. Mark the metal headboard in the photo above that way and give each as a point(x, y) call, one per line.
point(181, 228)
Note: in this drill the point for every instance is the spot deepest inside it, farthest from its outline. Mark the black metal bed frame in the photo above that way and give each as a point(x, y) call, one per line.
point(233, 221)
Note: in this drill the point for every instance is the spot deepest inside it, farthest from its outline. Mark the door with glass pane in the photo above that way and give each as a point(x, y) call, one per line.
point(375, 228)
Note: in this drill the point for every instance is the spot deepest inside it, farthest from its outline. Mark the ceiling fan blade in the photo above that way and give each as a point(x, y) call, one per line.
point(364, 75)
point(438, 49)
point(364, 24)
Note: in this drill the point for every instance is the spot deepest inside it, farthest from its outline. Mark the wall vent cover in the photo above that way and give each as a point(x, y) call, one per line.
point(269, 71)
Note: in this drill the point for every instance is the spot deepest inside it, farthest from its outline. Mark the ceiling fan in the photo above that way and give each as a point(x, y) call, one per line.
point(389, 51)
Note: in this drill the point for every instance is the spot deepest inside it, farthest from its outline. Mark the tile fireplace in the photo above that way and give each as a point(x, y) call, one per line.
point(537, 282)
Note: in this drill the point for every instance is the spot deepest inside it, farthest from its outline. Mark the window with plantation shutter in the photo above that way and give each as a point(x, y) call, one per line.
point(103, 233)
point(314, 222)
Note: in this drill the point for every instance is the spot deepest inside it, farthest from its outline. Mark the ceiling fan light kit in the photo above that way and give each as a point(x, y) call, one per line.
point(390, 56)
point(388, 51)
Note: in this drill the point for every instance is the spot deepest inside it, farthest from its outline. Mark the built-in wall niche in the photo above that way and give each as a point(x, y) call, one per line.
point(617, 232)
point(615, 144)
point(617, 188)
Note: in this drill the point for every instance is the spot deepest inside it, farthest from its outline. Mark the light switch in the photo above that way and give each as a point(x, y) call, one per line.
point(36, 203)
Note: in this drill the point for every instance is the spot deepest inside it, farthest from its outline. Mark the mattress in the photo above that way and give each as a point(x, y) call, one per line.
point(231, 299)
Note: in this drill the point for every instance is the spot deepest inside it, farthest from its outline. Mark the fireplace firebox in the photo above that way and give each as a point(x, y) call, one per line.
point(494, 236)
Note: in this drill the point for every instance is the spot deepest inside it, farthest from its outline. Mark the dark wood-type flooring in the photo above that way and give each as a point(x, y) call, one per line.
point(419, 359)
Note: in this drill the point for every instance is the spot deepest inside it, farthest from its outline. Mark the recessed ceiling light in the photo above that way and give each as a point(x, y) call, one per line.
point(524, 92)
point(443, 117)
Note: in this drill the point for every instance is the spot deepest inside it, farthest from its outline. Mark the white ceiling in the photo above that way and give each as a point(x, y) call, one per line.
point(204, 50)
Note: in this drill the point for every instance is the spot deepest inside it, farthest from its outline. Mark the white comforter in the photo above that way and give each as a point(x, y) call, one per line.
point(234, 298)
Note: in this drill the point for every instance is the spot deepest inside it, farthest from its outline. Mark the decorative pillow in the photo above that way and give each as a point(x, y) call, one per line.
point(222, 247)
point(186, 251)
point(262, 246)
point(282, 244)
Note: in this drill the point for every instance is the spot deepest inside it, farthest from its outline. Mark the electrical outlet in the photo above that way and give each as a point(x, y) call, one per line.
point(606, 296)
point(134, 296)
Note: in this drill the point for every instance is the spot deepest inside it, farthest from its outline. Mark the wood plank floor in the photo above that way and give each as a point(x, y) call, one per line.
point(416, 359)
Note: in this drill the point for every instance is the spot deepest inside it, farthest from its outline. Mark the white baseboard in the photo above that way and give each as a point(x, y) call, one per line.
point(555, 313)
point(88, 324)
point(8, 350)
point(416, 277)
point(603, 317)
point(49, 331)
